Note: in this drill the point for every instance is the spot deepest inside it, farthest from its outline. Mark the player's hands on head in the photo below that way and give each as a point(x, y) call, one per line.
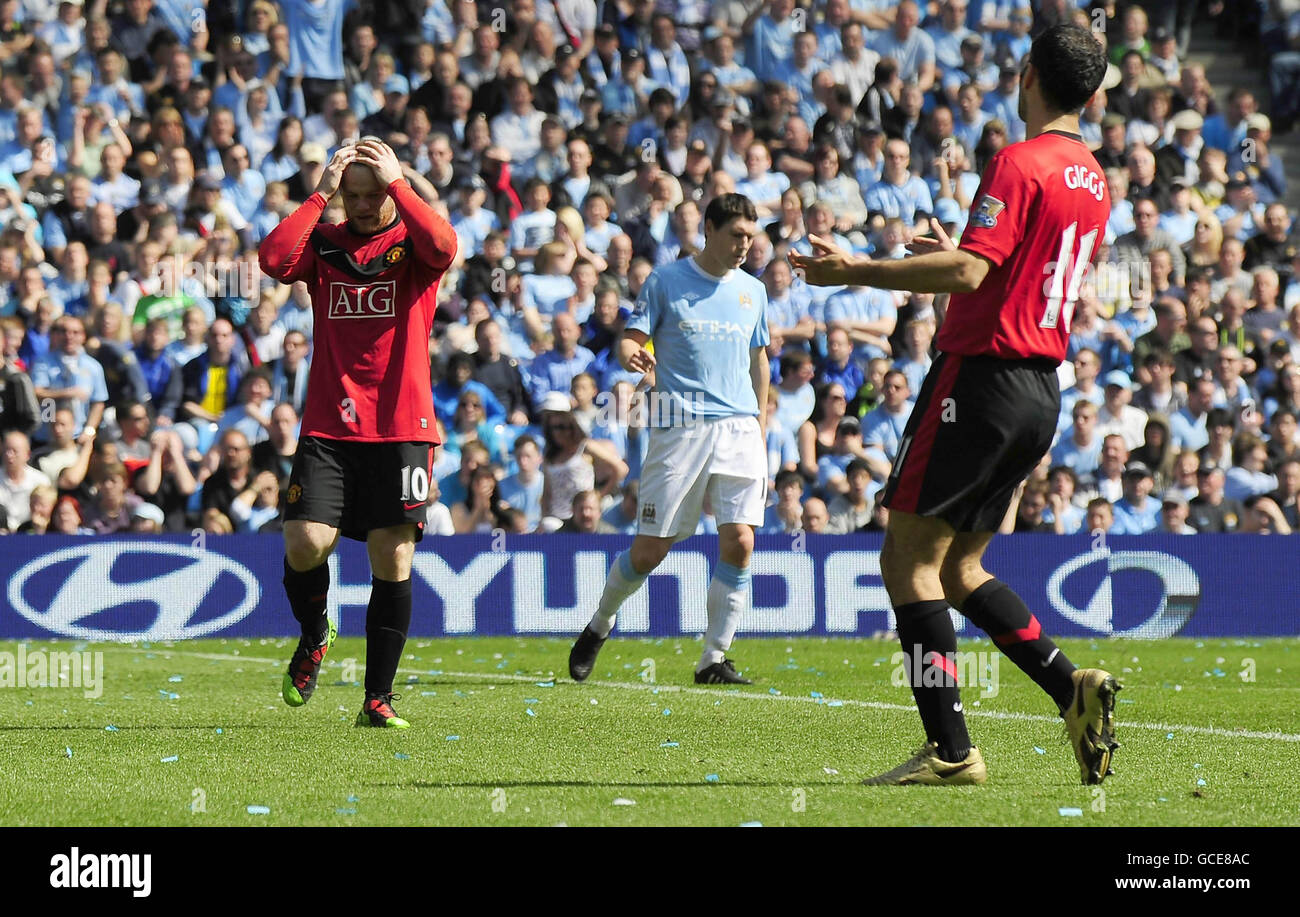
point(827, 265)
point(332, 177)
point(939, 242)
point(380, 157)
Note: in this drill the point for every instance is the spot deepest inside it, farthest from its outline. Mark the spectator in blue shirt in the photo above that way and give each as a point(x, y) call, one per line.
point(523, 489)
point(1188, 424)
point(316, 45)
point(899, 193)
point(1080, 451)
point(666, 61)
point(243, 185)
point(882, 428)
point(1249, 475)
point(553, 371)
point(915, 361)
point(1137, 512)
point(839, 367)
point(151, 355)
point(71, 377)
point(868, 314)
point(622, 515)
point(771, 39)
point(912, 48)
point(459, 379)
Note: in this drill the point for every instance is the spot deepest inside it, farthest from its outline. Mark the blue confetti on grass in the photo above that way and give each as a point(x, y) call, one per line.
point(402, 757)
point(259, 810)
point(530, 712)
point(170, 758)
point(342, 811)
point(453, 738)
point(835, 703)
point(220, 731)
point(531, 700)
point(774, 691)
point(110, 728)
point(354, 799)
point(546, 684)
point(1069, 812)
point(667, 712)
point(814, 694)
point(1200, 781)
point(176, 679)
point(1162, 799)
point(1041, 751)
point(751, 824)
point(428, 693)
point(670, 744)
point(1169, 735)
point(711, 778)
point(67, 751)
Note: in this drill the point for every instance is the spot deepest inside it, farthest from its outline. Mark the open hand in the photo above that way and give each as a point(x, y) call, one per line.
point(939, 242)
point(380, 157)
point(332, 177)
point(828, 265)
point(642, 361)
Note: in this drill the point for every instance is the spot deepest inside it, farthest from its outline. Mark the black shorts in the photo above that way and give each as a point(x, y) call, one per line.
point(357, 487)
point(979, 427)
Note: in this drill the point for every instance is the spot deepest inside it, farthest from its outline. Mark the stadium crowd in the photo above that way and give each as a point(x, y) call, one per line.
point(152, 379)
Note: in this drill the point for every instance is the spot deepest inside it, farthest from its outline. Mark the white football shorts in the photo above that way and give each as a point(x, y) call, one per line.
point(723, 459)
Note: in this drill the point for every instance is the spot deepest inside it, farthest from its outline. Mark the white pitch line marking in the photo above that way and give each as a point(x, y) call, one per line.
point(1271, 736)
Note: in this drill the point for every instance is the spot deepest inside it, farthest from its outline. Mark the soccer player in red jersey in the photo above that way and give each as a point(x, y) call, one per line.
point(987, 411)
point(368, 432)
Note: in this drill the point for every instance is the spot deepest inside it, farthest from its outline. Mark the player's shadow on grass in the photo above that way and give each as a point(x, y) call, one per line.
point(542, 784)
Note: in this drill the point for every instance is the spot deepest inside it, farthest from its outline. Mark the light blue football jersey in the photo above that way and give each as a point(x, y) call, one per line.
point(703, 328)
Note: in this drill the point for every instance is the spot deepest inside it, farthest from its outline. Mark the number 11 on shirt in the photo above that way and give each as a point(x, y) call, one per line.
point(1059, 292)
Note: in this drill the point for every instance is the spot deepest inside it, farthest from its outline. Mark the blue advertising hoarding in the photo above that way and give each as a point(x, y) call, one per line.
point(177, 587)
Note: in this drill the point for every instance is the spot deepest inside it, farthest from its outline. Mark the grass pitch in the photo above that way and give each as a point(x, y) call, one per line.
point(196, 734)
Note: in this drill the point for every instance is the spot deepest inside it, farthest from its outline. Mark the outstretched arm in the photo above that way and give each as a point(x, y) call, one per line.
point(940, 271)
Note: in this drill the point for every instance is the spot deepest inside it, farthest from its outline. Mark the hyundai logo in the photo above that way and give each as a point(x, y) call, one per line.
point(91, 587)
point(1180, 591)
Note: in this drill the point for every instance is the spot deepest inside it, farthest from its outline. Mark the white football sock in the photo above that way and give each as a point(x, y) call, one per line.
point(727, 601)
point(622, 582)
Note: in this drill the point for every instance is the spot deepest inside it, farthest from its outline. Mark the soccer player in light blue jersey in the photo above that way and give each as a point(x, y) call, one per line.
point(708, 320)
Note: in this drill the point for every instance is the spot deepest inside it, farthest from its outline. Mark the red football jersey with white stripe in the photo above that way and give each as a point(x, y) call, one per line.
point(1039, 216)
point(373, 300)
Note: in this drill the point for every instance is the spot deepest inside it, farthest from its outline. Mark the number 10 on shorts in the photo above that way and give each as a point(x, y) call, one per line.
point(415, 483)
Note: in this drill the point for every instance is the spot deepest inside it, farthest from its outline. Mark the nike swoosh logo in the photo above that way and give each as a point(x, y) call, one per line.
point(331, 251)
point(414, 505)
point(953, 771)
point(1048, 661)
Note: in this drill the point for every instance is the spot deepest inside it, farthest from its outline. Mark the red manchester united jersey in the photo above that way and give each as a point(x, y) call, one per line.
point(373, 299)
point(1039, 216)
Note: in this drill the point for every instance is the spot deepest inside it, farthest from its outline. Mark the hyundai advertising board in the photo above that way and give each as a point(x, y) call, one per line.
point(174, 588)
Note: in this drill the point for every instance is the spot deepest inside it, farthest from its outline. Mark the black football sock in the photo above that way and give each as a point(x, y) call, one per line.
point(307, 590)
point(388, 618)
point(930, 646)
point(996, 609)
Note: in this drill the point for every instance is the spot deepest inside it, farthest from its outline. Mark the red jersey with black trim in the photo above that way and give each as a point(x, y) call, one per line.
point(373, 299)
point(1039, 216)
